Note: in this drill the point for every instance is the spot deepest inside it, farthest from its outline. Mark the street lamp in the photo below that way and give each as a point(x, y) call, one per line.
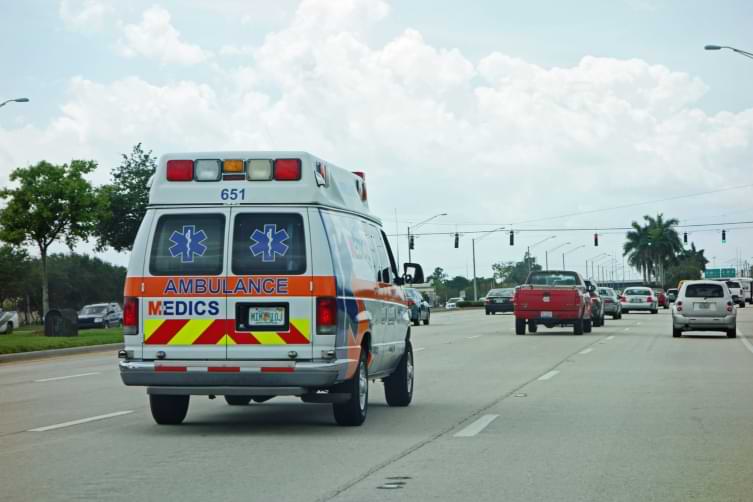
point(528, 252)
point(17, 100)
point(473, 245)
point(546, 253)
point(568, 252)
point(720, 47)
point(592, 263)
point(427, 220)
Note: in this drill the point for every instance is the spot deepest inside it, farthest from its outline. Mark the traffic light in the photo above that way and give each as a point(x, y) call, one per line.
point(596, 240)
point(685, 238)
point(457, 240)
point(512, 238)
point(724, 236)
point(411, 243)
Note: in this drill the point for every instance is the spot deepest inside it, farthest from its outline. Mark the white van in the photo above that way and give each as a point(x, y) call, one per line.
point(262, 274)
point(745, 282)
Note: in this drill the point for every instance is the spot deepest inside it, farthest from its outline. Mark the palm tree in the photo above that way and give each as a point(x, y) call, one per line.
point(637, 249)
point(653, 246)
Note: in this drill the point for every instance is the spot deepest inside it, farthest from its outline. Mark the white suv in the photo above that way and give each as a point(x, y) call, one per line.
point(704, 306)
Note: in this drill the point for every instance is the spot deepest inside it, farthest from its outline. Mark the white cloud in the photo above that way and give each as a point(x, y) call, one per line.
point(493, 140)
point(156, 38)
point(84, 15)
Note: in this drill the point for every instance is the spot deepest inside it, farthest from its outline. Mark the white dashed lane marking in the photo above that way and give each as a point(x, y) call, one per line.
point(55, 379)
point(586, 351)
point(476, 426)
point(472, 337)
point(419, 349)
point(611, 337)
point(80, 421)
point(547, 376)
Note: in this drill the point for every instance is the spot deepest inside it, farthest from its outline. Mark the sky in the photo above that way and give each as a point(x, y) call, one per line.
point(541, 117)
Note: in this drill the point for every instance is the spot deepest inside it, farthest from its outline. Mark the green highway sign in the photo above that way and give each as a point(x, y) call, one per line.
point(712, 273)
point(729, 272)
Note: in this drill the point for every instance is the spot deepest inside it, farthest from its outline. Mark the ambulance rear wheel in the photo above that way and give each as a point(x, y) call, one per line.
point(353, 411)
point(398, 387)
point(168, 410)
point(238, 400)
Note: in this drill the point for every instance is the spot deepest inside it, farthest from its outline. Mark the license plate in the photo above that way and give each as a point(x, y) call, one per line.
point(636, 300)
point(266, 316)
point(546, 315)
point(702, 306)
point(546, 299)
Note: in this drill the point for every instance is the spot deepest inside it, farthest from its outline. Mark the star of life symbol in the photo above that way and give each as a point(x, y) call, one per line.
point(269, 243)
point(188, 244)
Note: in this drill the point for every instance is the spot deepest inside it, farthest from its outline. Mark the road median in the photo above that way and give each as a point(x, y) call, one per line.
point(31, 343)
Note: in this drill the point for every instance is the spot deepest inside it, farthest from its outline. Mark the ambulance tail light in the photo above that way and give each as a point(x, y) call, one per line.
point(179, 170)
point(130, 315)
point(326, 316)
point(208, 170)
point(259, 170)
point(287, 169)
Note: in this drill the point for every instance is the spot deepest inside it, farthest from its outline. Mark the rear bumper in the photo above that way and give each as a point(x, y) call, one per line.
point(612, 308)
point(499, 307)
point(203, 375)
point(640, 306)
point(683, 322)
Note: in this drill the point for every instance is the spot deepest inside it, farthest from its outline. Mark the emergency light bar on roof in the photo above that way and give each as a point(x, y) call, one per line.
point(233, 178)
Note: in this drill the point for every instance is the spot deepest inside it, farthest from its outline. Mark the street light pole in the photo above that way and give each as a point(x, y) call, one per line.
point(546, 253)
point(720, 47)
point(16, 100)
point(568, 252)
point(424, 222)
point(473, 246)
point(528, 252)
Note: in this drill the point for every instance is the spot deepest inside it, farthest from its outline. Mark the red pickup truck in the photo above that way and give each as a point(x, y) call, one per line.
point(553, 298)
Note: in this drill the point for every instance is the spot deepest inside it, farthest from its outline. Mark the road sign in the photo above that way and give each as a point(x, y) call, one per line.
point(729, 272)
point(712, 273)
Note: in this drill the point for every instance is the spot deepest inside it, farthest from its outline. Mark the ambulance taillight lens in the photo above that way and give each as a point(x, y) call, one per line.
point(208, 170)
point(179, 170)
point(326, 316)
point(259, 170)
point(287, 169)
point(130, 315)
point(233, 166)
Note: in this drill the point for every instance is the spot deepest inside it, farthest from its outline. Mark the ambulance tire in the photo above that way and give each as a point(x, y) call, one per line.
point(168, 410)
point(353, 411)
point(398, 387)
point(238, 400)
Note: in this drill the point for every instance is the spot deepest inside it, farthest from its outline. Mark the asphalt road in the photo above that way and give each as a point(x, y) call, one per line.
point(624, 413)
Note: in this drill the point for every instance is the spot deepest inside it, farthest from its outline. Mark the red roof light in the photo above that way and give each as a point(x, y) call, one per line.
point(179, 170)
point(287, 169)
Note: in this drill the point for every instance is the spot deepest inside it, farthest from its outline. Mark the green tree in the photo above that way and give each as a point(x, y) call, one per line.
point(77, 280)
point(652, 247)
point(14, 272)
point(123, 202)
point(515, 273)
point(51, 202)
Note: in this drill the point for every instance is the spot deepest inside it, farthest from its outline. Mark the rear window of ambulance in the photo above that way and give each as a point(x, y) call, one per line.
point(188, 244)
point(268, 244)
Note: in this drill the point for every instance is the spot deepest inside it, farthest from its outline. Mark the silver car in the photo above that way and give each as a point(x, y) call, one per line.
point(639, 298)
point(704, 306)
point(611, 301)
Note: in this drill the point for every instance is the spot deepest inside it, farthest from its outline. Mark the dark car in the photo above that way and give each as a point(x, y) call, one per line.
point(100, 315)
point(672, 295)
point(597, 304)
point(420, 310)
point(499, 300)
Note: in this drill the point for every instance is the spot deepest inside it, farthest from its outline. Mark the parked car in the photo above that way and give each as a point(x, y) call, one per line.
point(611, 301)
point(8, 321)
point(597, 305)
point(639, 298)
point(553, 298)
point(100, 315)
point(420, 310)
point(452, 303)
point(704, 306)
point(499, 300)
point(661, 298)
point(672, 294)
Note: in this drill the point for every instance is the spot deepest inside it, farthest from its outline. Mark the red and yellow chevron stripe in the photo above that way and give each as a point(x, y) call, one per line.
point(220, 332)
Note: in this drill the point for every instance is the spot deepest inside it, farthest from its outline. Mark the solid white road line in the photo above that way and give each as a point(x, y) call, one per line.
point(610, 337)
point(81, 421)
point(476, 426)
point(586, 351)
point(745, 341)
point(54, 379)
point(547, 376)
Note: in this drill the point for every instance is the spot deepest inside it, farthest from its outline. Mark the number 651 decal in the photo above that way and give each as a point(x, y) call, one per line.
point(233, 194)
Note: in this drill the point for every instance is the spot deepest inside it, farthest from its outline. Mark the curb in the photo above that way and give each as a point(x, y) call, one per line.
point(44, 354)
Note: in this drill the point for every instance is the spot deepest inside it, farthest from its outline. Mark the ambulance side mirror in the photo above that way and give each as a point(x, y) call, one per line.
point(413, 273)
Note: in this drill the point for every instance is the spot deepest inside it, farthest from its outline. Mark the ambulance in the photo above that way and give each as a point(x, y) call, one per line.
point(263, 274)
